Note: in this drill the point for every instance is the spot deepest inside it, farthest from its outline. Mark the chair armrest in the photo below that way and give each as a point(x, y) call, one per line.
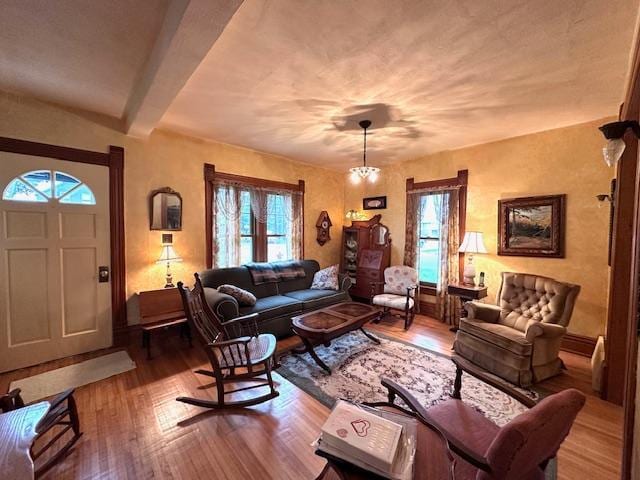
point(483, 311)
point(474, 458)
point(464, 365)
point(228, 343)
point(374, 288)
point(344, 282)
point(223, 305)
point(410, 289)
point(61, 397)
point(546, 330)
point(11, 401)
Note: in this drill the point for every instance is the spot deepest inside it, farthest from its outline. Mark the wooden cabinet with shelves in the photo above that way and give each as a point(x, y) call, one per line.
point(366, 252)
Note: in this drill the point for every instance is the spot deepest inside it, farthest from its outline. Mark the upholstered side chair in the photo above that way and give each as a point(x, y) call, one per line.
point(234, 359)
point(480, 449)
point(399, 292)
point(519, 337)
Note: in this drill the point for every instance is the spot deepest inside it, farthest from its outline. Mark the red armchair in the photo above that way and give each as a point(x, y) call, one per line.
point(481, 450)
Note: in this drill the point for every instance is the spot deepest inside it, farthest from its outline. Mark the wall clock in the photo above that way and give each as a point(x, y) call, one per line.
point(323, 225)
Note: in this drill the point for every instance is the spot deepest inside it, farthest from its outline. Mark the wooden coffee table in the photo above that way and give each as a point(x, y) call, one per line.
point(321, 326)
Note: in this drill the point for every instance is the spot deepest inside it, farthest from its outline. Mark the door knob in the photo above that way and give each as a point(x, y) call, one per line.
point(103, 274)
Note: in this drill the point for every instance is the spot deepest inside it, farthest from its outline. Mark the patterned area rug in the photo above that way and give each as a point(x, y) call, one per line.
point(357, 365)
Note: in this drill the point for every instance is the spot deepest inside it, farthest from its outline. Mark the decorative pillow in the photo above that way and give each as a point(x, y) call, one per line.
point(326, 279)
point(244, 298)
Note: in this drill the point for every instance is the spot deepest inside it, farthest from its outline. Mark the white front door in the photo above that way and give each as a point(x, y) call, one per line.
point(54, 237)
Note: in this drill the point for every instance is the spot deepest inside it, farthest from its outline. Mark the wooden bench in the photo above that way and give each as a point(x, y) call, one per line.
point(161, 309)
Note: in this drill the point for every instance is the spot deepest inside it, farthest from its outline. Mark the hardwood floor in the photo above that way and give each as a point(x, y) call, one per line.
point(134, 428)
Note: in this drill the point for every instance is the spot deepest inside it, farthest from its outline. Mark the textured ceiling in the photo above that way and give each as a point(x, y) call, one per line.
point(293, 77)
point(79, 53)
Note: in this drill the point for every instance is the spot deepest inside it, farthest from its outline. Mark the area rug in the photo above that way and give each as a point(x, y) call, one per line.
point(55, 381)
point(357, 365)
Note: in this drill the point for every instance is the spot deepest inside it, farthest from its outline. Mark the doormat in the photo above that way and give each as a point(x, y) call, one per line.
point(55, 381)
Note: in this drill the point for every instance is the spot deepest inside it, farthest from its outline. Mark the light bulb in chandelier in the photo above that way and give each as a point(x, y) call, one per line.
point(354, 177)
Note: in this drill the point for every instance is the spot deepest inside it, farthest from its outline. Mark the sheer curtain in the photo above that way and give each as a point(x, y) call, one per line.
point(226, 226)
point(227, 215)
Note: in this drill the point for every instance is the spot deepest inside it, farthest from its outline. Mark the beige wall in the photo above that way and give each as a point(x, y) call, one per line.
point(167, 159)
point(559, 161)
point(567, 160)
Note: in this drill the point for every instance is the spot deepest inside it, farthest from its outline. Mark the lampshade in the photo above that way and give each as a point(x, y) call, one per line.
point(613, 150)
point(168, 254)
point(472, 243)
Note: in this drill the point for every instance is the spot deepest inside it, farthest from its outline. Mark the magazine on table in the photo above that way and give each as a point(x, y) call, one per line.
point(376, 440)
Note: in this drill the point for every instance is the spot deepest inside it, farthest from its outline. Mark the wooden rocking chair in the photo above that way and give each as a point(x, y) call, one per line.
point(228, 351)
point(62, 413)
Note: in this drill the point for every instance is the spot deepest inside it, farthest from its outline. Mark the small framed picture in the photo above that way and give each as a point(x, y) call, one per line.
point(374, 203)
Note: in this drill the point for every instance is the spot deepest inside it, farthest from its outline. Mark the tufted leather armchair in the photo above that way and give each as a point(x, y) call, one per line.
point(519, 338)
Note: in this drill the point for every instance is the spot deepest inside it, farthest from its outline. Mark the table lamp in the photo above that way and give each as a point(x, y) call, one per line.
point(168, 255)
point(471, 243)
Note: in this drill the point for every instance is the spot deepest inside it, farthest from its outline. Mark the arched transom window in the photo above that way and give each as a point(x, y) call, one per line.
point(44, 185)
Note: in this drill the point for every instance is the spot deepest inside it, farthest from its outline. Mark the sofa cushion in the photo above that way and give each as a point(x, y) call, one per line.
point(274, 306)
point(397, 302)
point(513, 368)
point(314, 299)
point(465, 424)
point(238, 276)
point(500, 335)
point(291, 285)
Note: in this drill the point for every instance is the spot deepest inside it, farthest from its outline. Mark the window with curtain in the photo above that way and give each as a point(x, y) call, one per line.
point(255, 224)
point(435, 218)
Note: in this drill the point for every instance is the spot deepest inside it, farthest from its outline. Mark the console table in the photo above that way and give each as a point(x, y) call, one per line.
point(466, 293)
point(161, 309)
point(17, 433)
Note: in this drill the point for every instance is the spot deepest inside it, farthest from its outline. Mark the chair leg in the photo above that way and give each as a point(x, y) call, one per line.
point(73, 415)
point(267, 368)
point(457, 384)
point(220, 389)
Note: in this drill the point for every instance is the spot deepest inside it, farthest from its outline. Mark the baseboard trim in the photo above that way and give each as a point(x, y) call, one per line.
point(578, 344)
point(428, 309)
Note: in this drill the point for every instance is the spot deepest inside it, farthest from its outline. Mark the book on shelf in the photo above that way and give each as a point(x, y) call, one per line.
point(368, 440)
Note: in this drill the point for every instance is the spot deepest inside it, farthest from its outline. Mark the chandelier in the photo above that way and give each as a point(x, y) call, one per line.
point(364, 172)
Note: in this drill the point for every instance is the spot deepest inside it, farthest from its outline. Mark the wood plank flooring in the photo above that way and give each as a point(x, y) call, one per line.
point(134, 428)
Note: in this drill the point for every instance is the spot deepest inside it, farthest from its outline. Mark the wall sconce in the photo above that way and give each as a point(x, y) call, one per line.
point(613, 132)
point(355, 215)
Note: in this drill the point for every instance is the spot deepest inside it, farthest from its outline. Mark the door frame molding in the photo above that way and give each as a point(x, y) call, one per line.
point(114, 160)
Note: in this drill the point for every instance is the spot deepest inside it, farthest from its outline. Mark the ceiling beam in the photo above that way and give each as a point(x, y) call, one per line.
point(189, 30)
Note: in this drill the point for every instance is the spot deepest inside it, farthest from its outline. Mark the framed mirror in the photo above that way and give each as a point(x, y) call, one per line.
point(165, 210)
point(379, 235)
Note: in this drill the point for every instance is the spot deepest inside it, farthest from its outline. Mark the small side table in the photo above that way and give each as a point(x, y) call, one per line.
point(161, 309)
point(466, 293)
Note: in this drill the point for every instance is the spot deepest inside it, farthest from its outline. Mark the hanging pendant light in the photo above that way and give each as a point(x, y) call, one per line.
point(364, 172)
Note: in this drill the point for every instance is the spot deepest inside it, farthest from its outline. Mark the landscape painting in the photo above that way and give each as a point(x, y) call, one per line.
point(532, 226)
